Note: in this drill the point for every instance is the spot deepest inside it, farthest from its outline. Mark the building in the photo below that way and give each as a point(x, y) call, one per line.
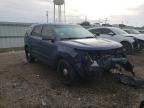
point(12, 34)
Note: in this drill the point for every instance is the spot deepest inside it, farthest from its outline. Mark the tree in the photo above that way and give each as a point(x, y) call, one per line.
point(85, 23)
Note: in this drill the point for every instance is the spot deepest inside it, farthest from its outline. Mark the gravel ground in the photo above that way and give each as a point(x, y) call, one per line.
point(24, 85)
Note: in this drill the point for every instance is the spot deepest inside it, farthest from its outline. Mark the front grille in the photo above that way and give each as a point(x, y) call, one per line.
point(141, 42)
point(106, 53)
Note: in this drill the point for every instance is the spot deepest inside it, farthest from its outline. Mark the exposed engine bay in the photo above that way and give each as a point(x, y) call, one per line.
point(115, 62)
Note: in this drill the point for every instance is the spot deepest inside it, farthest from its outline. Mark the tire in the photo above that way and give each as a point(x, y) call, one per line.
point(127, 47)
point(66, 72)
point(28, 55)
point(141, 104)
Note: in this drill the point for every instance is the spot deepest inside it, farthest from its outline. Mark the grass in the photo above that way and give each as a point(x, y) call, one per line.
point(2, 50)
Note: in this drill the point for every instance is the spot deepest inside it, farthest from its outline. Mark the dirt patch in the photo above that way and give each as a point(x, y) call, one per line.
point(24, 85)
point(2, 50)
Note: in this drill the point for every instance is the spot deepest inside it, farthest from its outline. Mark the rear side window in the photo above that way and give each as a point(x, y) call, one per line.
point(106, 31)
point(37, 31)
point(93, 31)
point(47, 31)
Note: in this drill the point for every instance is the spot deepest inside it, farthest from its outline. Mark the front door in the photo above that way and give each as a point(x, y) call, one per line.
point(48, 47)
point(105, 33)
point(35, 39)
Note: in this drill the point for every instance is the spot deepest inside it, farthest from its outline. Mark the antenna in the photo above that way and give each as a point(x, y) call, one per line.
point(64, 13)
point(47, 16)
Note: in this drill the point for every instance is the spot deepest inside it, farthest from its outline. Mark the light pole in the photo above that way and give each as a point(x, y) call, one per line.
point(64, 13)
point(47, 16)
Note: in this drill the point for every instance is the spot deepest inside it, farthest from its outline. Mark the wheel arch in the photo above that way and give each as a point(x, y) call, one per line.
point(25, 46)
point(125, 41)
point(130, 50)
point(63, 56)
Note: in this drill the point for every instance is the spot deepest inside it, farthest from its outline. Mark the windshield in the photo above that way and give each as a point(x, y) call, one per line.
point(132, 31)
point(119, 31)
point(73, 32)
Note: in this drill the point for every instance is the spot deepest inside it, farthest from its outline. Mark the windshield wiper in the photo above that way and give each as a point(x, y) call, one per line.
point(69, 38)
point(77, 38)
point(90, 37)
point(87, 37)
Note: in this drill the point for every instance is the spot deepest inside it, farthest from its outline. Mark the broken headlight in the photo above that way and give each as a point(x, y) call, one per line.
point(86, 58)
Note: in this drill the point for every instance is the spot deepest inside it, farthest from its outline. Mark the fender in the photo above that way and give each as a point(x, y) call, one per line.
point(65, 56)
point(125, 38)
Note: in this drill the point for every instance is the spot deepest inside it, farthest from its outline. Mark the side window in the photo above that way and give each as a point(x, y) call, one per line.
point(95, 31)
point(92, 31)
point(47, 31)
point(98, 31)
point(105, 31)
point(128, 31)
point(36, 31)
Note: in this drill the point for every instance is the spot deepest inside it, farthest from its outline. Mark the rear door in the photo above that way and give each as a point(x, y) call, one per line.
point(35, 39)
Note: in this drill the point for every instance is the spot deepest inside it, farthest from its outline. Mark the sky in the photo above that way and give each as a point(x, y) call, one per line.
point(129, 12)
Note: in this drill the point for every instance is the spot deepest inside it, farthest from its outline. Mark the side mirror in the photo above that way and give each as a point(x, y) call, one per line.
point(94, 34)
point(97, 34)
point(112, 34)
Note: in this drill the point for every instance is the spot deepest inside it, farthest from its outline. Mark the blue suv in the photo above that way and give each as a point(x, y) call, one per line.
point(74, 51)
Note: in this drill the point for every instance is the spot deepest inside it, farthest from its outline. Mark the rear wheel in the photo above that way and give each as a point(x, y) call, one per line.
point(127, 47)
point(66, 72)
point(29, 57)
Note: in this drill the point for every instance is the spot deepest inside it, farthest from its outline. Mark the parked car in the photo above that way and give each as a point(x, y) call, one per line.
point(132, 31)
point(130, 42)
point(138, 33)
point(141, 31)
point(74, 51)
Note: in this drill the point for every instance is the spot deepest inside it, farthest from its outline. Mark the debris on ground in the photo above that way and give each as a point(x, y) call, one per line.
point(24, 85)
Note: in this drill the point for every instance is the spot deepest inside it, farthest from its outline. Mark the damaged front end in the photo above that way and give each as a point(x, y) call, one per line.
point(94, 63)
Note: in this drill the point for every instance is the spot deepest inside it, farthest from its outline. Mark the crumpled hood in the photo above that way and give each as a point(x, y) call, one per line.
point(92, 44)
point(137, 36)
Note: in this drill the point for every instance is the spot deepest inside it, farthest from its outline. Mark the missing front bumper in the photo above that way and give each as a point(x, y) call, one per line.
point(100, 66)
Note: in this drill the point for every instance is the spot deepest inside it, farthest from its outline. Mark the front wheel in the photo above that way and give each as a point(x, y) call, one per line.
point(29, 57)
point(66, 72)
point(127, 47)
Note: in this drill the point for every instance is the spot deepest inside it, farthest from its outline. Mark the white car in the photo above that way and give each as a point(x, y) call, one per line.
point(130, 42)
point(132, 31)
point(137, 34)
